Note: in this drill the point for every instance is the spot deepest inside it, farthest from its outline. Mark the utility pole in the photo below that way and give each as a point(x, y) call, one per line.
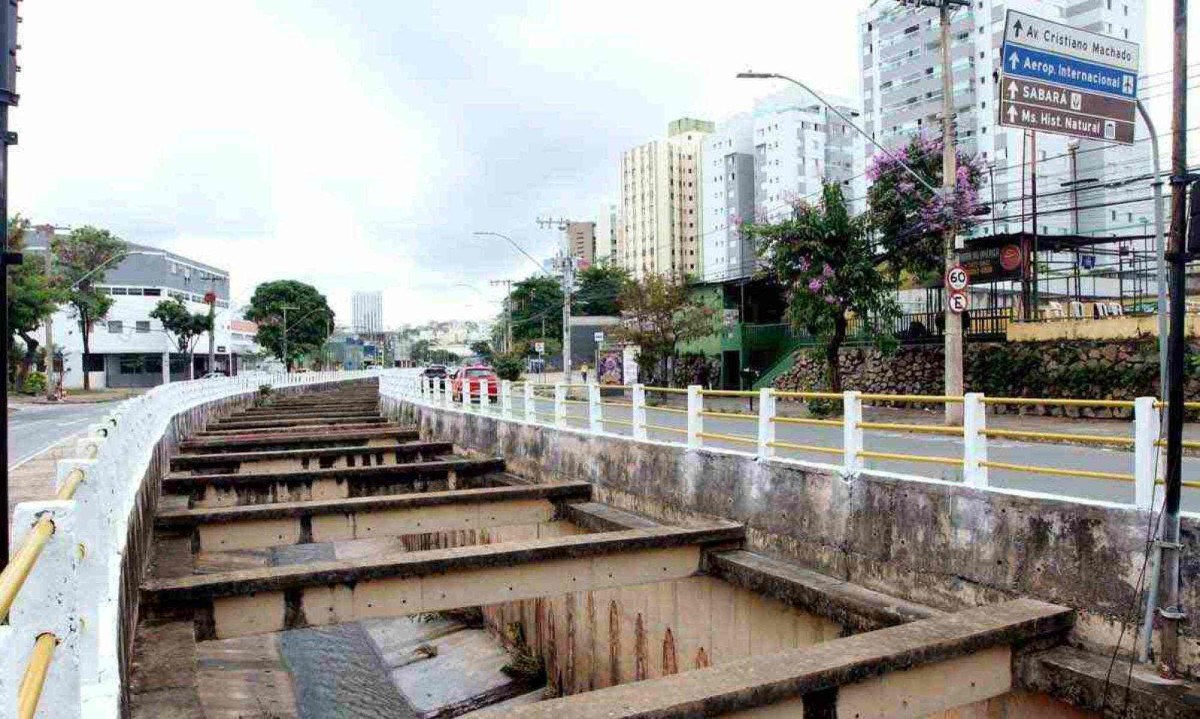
point(567, 264)
point(287, 364)
point(211, 299)
point(47, 233)
point(507, 285)
point(8, 97)
point(1170, 611)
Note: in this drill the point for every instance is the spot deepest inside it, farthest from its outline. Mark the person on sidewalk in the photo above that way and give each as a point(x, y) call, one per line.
point(583, 372)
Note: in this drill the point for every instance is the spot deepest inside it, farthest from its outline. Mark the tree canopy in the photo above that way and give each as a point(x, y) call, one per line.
point(309, 318)
point(824, 259)
point(535, 299)
point(32, 296)
point(657, 314)
point(186, 327)
point(909, 219)
point(599, 289)
point(82, 259)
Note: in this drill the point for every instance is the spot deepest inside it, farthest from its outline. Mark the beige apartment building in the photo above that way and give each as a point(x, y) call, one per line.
point(660, 209)
point(581, 236)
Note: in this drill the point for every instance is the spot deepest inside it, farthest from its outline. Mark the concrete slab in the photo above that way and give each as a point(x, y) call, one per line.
point(475, 659)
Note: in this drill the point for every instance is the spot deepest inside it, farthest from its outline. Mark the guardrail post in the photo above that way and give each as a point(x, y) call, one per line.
point(1145, 451)
point(482, 386)
point(852, 435)
point(560, 404)
point(975, 444)
point(464, 391)
point(637, 415)
point(47, 602)
point(447, 392)
point(506, 399)
point(595, 418)
point(695, 420)
point(766, 423)
point(530, 405)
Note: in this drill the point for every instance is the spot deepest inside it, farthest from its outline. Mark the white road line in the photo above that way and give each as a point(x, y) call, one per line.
point(29, 457)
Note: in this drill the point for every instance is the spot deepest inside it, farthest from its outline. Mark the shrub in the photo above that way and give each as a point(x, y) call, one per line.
point(35, 383)
point(508, 366)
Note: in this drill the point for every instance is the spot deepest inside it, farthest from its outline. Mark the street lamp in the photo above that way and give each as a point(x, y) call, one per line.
point(512, 242)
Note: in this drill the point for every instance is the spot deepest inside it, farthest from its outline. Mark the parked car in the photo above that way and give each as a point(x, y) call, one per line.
point(476, 374)
point(435, 371)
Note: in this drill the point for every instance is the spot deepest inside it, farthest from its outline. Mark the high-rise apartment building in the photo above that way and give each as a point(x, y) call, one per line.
point(581, 239)
point(367, 312)
point(757, 164)
point(606, 233)
point(900, 51)
point(660, 209)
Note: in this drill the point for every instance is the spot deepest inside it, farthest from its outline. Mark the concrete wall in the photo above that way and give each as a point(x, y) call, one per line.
point(933, 542)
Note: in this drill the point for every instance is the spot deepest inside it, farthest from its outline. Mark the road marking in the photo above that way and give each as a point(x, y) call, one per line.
point(41, 451)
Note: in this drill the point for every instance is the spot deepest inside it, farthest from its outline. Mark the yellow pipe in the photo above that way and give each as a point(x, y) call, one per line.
point(666, 429)
point(617, 404)
point(1190, 485)
point(911, 398)
point(1089, 438)
point(805, 447)
point(728, 393)
point(666, 409)
point(911, 458)
point(1087, 474)
point(1186, 444)
point(616, 421)
point(807, 421)
point(13, 576)
point(1111, 403)
point(35, 675)
point(808, 395)
point(667, 390)
point(927, 428)
point(575, 401)
point(74, 479)
point(729, 415)
point(726, 437)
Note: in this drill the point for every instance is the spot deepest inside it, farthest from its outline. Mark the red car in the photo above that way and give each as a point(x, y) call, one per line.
point(476, 374)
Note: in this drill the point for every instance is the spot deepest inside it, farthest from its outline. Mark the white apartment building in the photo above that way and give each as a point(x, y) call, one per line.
point(757, 164)
point(606, 233)
point(660, 208)
point(900, 51)
point(367, 312)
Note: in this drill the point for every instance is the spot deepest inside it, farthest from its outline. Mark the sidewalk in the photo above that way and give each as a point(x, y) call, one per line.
point(33, 479)
point(79, 397)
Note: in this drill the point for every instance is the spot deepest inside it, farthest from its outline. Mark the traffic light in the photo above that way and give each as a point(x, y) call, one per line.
point(1193, 227)
point(8, 73)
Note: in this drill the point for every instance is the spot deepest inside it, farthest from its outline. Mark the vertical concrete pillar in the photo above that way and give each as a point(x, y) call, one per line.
point(766, 423)
point(637, 415)
point(530, 406)
point(595, 409)
point(695, 420)
point(506, 399)
point(852, 436)
point(1145, 451)
point(560, 404)
point(465, 393)
point(975, 444)
point(446, 398)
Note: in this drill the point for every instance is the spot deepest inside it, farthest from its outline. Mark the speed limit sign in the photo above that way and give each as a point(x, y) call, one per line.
point(957, 278)
point(958, 302)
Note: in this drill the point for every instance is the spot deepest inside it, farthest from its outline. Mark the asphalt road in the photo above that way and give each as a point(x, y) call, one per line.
point(34, 427)
point(1063, 456)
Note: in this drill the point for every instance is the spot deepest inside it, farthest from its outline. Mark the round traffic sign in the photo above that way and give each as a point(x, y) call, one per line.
point(958, 302)
point(957, 278)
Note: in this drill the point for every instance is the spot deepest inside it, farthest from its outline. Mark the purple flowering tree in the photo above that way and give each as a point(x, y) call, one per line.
point(824, 260)
point(908, 218)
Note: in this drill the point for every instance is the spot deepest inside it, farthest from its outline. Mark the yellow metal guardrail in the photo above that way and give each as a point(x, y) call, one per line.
point(30, 691)
point(727, 437)
point(804, 447)
point(21, 564)
point(928, 398)
point(661, 428)
point(730, 415)
point(1059, 437)
point(911, 457)
point(901, 427)
point(808, 421)
point(1031, 401)
point(1033, 469)
point(808, 395)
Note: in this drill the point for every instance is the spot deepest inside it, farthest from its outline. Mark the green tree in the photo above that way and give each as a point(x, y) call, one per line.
point(657, 314)
point(824, 259)
point(309, 318)
point(599, 288)
point(483, 350)
point(83, 257)
point(186, 327)
point(909, 219)
point(32, 296)
point(536, 304)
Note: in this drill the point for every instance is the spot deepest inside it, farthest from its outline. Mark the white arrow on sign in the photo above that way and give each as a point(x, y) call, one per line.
point(1012, 90)
point(1012, 113)
point(1013, 58)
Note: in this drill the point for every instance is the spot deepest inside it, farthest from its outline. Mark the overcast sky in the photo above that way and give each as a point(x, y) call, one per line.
point(356, 145)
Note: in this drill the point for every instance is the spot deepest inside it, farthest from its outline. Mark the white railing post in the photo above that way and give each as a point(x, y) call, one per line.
point(48, 602)
point(530, 405)
point(560, 405)
point(447, 392)
point(975, 444)
point(695, 420)
point(1145, 450)
point(852, 436)
point(637, 415)
point(766, 423)
point(595, 418)
point(465, 393)
point(506, 399)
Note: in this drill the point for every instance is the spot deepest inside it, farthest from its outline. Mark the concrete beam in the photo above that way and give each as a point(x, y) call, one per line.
point(277, 598)
point(1098, 683)
point(373, 436)
point(226, 426)
point(271, 525)
point(911, 670)
point(303, 456)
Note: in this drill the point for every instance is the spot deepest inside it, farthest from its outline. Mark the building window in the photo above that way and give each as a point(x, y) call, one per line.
point(115, 327)
point(143, 326)
point(152, 292)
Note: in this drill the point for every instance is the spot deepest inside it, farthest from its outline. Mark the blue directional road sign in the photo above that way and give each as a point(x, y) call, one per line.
point(1068, 81)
